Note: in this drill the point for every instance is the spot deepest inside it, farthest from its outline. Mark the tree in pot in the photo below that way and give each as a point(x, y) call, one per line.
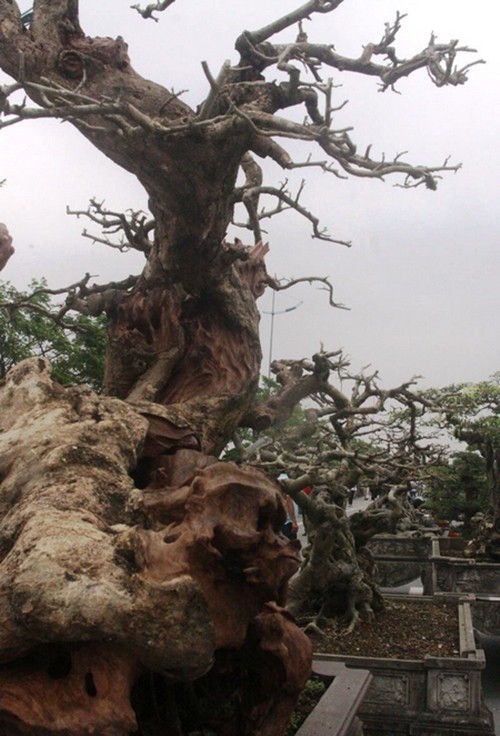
point(142, 580)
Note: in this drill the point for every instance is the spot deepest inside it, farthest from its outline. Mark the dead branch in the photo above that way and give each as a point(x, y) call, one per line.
point(365, 431)
point(250, 195)
point(207, 108)
point(157, 7)
point(292, 18)
point(298, 380)
point(438, 59)
point(327, 286)
point(134, 227)
point(80, 297)
point(340, 147)
point(240, 112)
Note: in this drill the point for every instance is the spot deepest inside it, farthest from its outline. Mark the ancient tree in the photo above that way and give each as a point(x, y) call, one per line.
point(143, 581)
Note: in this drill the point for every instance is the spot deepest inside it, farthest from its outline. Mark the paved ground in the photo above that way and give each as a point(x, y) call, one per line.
point(358, 505)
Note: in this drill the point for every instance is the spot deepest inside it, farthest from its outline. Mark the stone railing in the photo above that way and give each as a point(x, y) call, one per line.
point(461, 574)
point(400, 560)
point(336, 712)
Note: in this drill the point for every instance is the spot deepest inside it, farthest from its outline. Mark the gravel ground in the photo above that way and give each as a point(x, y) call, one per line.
point(404, 630)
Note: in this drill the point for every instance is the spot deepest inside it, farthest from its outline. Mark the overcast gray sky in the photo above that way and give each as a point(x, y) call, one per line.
point(422, 277)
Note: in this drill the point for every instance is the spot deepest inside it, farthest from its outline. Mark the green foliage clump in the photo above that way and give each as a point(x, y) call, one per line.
point(459, 489)
point(471, 413)
point(75, 348)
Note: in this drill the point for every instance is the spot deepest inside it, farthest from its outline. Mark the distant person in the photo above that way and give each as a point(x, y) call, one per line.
point(412, 491)
point(352, 494)
point(308, 491)
point(290, 527)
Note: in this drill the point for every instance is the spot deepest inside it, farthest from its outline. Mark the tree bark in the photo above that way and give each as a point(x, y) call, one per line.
point(6, 249)
point(125, 544)
point(173, 336)
point(123, 547)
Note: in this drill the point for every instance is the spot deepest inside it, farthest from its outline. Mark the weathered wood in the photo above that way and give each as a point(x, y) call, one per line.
point(161, 578)
point(6, 248)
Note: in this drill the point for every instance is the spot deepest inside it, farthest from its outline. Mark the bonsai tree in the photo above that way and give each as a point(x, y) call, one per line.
point(143, 581)
point(352, 432)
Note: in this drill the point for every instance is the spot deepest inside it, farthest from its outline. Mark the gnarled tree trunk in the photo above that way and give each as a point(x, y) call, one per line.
point(132, 565)
point(142, 581)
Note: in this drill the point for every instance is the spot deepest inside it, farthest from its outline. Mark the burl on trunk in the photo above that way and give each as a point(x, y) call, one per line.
point(136, 570)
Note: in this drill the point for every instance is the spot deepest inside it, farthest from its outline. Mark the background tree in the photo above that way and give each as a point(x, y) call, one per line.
point(459, 488)
point(75, 346)
point(471, 413)
point(155, 557)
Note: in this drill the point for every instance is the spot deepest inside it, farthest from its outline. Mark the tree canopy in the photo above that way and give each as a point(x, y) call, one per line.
point(458, 489)
point(471, 413)
point(27, 328)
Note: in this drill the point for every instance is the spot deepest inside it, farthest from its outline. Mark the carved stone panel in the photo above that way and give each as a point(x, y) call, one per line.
point(479, 579)
point(453, 577)
point(401, 547)
point(390, 689)
point(453, 692)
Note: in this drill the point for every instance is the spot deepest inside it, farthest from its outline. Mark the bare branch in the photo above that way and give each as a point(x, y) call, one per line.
point(71, 104)
point(291, 19)
point(95, 299)
point(157, 7)
point(207, 108)
point(249, 194)
point(327, 286)
point(80, 297)
point(368, 431)
point(340, 147)
point(133, 225)
point(438, 59)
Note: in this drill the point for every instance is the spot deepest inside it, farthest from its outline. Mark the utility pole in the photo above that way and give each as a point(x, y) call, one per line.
point(273, 312)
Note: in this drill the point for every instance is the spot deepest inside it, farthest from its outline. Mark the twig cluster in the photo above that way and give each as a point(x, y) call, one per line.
point(133, 227)
point(351, 428)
